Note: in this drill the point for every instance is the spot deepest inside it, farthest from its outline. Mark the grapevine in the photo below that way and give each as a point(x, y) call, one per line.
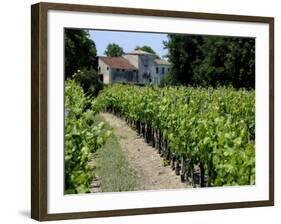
point(207, 135)
point(82, 138)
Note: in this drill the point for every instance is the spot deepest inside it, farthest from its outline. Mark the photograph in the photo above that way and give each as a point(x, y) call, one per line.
point(157, 111)
point(139, 111)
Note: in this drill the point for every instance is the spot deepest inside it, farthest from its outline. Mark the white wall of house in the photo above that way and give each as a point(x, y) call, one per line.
point(146, 67)
point(105, 71)
point(161, 70)
point(134, 60)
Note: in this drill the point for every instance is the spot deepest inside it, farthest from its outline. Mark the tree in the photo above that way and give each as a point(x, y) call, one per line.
point(89, 81)
point(241, 62)
point(227, 61)
point(147, 49)
point(80, 51)
point(211, 60)
point(183, 51)
point(114, 50)
point(209, 69)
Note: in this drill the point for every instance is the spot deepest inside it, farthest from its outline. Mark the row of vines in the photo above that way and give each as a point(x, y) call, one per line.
point(206, 135)
point(82, 138)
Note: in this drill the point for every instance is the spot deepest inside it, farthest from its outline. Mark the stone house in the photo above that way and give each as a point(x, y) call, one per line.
point(162, 67)
point(135, 67)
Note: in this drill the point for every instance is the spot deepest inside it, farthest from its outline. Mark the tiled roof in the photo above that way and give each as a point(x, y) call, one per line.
point(139, 52)
point(117, 62)
point(161, 62)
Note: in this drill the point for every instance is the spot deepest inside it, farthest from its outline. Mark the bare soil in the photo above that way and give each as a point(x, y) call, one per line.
point(144, 159)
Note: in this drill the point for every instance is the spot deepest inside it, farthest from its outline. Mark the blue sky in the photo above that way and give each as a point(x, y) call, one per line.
point(128, 40)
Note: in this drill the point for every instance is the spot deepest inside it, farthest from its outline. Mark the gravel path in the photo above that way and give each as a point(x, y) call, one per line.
point(151, 174)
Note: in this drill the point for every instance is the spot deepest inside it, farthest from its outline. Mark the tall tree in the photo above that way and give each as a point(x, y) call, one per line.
point(147, 49)
point(114, 50)
point(183, 51)
point(211, 60)
point(80, 51)
point(241, 62)
point(227, 61)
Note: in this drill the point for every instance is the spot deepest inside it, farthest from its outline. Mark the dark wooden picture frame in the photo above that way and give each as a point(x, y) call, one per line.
point(39, 106)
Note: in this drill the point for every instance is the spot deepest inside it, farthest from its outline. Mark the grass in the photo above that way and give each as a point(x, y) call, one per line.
point(112, 166)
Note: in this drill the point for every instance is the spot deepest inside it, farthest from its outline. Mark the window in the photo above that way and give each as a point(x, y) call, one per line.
point(101, 77)
point(168, 69)
point(99, 68)
point(163, 70)
point(117, 69)
point(107, 68)
point(157, 70)
point(123, 70)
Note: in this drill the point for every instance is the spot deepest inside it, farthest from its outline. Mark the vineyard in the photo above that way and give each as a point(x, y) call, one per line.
point(207, 136)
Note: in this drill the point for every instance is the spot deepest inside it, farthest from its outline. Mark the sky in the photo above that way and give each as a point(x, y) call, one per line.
point(128, 40)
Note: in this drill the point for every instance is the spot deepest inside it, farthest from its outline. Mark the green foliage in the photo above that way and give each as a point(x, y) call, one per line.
point(211, 127)
point(183, 52)
point(147, 49)
point(168, 80)
point(212, 60)
point(82, 138)
point(227, 61)
point(80, 51)
point(114, 50)
point(89, 81)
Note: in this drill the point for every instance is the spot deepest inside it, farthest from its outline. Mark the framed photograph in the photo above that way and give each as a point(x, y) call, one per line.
point(139, 111)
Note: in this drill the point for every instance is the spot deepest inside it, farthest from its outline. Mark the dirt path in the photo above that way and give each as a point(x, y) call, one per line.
point(151, 174)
